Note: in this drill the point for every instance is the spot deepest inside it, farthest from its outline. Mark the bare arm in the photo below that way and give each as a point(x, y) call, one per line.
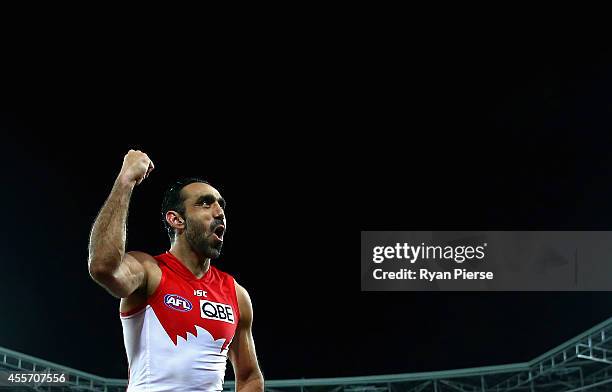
point(109, 265)
point(242, 350)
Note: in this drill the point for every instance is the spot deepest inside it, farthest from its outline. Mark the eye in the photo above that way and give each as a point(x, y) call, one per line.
point(206, 201)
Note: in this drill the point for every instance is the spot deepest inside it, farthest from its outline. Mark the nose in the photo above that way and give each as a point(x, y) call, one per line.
point(219, 213)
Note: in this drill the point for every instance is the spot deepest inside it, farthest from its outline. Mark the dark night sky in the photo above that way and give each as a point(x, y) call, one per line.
point(462, 137)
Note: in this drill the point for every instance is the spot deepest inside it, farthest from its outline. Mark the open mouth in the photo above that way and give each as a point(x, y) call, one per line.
point(219, 231)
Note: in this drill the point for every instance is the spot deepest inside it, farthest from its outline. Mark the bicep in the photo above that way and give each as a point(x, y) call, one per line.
point(129, 276)
point(242, 353)
point(242, 350)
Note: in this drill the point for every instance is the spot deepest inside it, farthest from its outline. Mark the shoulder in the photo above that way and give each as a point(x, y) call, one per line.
point(220, 274)
point(242, 293)
point(244, 303)
point(152, 270)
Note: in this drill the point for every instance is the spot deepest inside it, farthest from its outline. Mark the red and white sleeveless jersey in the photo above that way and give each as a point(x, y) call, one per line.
point(178, 341)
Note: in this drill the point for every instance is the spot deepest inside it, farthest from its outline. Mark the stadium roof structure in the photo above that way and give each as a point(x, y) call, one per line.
point(583, 363)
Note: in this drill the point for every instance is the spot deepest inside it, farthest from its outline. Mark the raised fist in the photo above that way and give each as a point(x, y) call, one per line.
point(136, 167)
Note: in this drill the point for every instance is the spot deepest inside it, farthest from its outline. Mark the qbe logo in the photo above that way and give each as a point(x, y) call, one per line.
point(177, 302)
point(216, 311)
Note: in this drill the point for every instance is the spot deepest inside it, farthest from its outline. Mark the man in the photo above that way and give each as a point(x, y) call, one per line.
point(179, 313)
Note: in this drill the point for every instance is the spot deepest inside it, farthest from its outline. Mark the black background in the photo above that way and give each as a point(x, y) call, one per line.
point(310, 146)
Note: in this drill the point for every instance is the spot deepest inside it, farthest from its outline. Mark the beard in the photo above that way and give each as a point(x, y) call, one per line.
point(206, 246)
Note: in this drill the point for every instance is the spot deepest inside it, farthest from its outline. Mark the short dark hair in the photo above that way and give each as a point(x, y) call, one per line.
point(174, 201)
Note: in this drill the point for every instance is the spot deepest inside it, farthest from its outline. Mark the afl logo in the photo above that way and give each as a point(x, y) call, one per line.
point(176, 302)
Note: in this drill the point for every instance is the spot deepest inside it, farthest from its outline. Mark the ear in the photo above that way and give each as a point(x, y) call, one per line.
point(175, 220)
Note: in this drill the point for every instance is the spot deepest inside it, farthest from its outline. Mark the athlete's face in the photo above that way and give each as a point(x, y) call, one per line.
point(204, 219)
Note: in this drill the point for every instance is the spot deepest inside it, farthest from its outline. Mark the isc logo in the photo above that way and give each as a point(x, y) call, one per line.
point(215, 311)
point(177, 302)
